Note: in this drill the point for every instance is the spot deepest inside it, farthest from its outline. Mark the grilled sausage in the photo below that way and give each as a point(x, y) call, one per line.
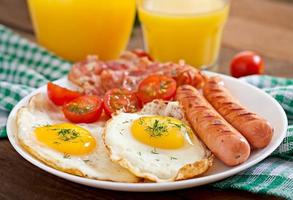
point(255, 129)
point(219, 136)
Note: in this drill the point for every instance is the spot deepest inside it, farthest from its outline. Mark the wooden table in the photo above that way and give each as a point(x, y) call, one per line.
point(264, 26)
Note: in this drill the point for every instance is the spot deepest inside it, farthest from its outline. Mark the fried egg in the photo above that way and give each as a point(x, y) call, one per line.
point(155, 147)
point(73, 148)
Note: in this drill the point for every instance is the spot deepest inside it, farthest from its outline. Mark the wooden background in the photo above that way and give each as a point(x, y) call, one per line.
point(265, 26)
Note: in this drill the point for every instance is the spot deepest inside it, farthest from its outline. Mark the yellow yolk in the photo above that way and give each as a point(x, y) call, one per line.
point(66, 138)
point(161, 132)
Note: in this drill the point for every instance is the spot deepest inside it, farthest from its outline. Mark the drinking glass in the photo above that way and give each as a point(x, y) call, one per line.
point(184, 29)
point(75, 28)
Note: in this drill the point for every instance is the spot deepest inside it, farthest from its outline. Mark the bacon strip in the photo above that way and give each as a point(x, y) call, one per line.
point(97, 77)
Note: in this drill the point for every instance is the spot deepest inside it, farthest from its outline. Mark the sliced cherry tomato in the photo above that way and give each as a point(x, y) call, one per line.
point(246, 63)
point(140, 53)
point(120, 99)
point(84, 109)
point(156, 87)
point(60, 95)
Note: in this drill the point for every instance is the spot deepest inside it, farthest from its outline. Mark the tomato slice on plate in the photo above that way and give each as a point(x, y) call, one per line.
point(156, 87)
point(120, 99)
point(84, 109)
point(60, 95)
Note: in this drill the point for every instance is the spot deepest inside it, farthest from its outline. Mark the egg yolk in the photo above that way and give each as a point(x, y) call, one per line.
point(161, 132)
point(66, 138)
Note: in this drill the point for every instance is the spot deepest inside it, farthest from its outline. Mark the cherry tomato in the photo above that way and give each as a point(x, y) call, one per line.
point(140, 53)
point(84, 109)
point(246, 63)
point(120, 99)
point(156, 87)
point(60, 95)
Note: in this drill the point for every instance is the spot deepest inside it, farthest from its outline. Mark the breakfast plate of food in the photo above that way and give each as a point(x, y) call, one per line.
point(134, 124)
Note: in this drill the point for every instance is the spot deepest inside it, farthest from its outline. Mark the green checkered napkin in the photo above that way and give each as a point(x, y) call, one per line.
point(25, 66)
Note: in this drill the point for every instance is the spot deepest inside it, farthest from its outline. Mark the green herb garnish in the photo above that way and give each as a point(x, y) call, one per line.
point(79, 109)
point(154, 151)
point(164, 86)
point(175, 124)
point(66, 134)
point(157, 129)
point(66, 156)
point(56, 142)
point(140, 121)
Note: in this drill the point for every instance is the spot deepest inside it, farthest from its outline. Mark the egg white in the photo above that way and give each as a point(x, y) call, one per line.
point(159, 165)
point(97, 165)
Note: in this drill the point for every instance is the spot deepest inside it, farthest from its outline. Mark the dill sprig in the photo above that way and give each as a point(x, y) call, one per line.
point(164, 86)
point(79, 109)
point(154, 151)
point(66, 134)
point(177, 125)
point(141, 121)
point(173, 158)
point(66, 156)
point(157, 129)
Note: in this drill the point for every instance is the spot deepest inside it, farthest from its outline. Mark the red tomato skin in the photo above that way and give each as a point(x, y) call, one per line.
point(106, 100)
point(246, 63)
point(88, 117)
point(107, 110)
point(152, 81)
point(60, 95)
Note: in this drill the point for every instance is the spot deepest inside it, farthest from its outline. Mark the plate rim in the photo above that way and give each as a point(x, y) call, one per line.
point(145, 187)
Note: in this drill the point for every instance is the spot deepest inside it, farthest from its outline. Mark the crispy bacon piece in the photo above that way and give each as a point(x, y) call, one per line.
point(96, 77)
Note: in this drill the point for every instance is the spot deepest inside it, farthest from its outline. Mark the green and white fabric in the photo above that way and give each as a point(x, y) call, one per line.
point(25, 66)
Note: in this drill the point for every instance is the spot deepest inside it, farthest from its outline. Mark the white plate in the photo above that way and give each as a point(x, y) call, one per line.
point(253, 98)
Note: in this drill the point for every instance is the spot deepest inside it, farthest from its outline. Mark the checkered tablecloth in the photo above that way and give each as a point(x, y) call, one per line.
point(25, 66)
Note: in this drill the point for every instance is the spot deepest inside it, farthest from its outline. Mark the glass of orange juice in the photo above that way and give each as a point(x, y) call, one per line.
point(184, 29)
point(76, 28)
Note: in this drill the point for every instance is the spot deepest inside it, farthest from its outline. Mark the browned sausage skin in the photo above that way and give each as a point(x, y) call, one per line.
point(218, 135)
point(255, 129)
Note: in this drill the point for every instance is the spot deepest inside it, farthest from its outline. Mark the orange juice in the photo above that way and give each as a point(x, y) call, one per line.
point(76, 28)
point(184, 29)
